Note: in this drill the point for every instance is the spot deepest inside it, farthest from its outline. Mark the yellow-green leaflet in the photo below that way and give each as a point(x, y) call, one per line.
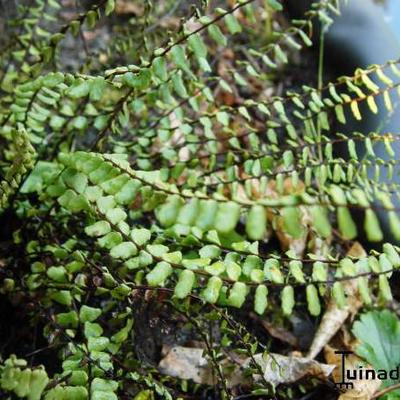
point(90, 314)
point(256, 223)
point(347, 226)
point(385, 263)
point(384, 289)
point(295, 268)
point(392, 254)
point(339, 295)
point(227, 216)
point(287, 298)
point(110, 5)
point(372, 226)
point(394, 222)
point(185, 283)
point(144, 395)
point(313, 302)
point(173, 258)
point(160, 68)
point(211, 292)
point(237, 294)
point(372, 104)
point(292, 221)
point(206, 214)
point(159, 273)
point(187, 214)
point(124, 250)
point(363, 290)
point(355, 110)
point(347, 267)
point(216, 268)
point(168, 212)
point(321, 221)
point(373, 263)
point(260, 299)
point(272, 271)
point(22, 389)
point(257, 275)
point(320, 271)
point(233, 270)
point(38, 382)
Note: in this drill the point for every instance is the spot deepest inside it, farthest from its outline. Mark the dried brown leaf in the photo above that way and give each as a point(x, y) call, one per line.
point(335, 317)
point(191, 363)
point(128, 7)
point(283, 369)
point(363, 389)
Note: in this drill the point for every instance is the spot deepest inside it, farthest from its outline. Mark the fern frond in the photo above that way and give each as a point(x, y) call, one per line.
point(23, 161)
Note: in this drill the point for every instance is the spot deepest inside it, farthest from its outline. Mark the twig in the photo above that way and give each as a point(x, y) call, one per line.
point(386, 390)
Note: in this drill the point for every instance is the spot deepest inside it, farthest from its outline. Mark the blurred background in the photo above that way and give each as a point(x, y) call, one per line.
point(391, 9)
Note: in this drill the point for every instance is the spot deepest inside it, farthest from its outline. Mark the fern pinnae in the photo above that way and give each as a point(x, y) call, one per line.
point(20, 166)
point(164, 185)
point(162, 270)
